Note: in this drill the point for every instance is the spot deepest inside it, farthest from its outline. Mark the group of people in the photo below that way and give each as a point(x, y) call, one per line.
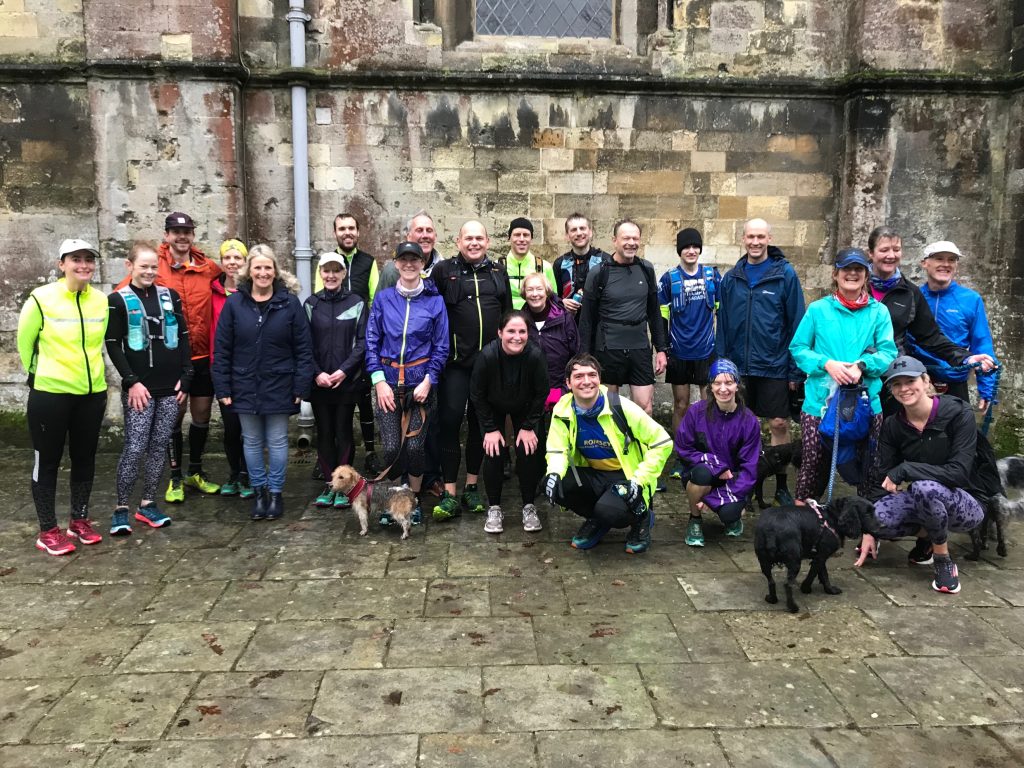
point(529, 356)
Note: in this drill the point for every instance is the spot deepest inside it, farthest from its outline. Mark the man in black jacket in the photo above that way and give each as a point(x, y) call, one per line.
point(573, 266)
point(620, 301)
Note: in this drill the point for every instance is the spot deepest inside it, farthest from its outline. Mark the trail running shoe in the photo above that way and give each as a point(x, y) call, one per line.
point(341, 501)
point(230, 488)
point(245, 490)
point(695, 533)
point(200, 483)
point(447, 508)
point(589, 535)
point(55, 542)
point(734, 529)
point(921, 554)
point(677, 472)
point(947, 579)
point(494, 518)
point(531, 520)
point(325, 499)
point(639, 539)
point(83, 531)
point(417, 515)
point(119, 522)
point(175, 491)
point(472, 500)
point(152, 516)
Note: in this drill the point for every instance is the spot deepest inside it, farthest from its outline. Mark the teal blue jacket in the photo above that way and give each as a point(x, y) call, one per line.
point(830, 331)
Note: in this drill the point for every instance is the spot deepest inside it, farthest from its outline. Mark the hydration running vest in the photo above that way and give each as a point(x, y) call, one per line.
point(679, 298)
point(139, 337)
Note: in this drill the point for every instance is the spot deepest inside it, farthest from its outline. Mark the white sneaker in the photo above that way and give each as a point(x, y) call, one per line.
point(494, 517)
point(531, 521)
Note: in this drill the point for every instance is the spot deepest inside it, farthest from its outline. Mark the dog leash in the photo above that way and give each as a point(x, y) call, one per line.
point(835, 460)
point(406, 435)
point(997, 372)
point(825, 526)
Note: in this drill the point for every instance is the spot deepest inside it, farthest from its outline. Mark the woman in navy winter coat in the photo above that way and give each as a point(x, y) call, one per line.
point(406, 350)
point(337, 322)
point(263, 369)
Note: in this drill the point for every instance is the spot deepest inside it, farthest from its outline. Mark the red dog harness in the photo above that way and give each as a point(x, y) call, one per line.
point(358, 488)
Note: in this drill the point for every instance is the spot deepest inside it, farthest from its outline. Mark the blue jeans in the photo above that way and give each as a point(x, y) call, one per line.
point(270, 432)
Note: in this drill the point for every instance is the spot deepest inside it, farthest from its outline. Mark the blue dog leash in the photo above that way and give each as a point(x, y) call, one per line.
point(997, 372)
point(835, 457)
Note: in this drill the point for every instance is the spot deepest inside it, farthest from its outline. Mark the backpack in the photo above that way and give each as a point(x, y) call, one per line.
point(648, 270)
point(538, 266)
point(619, 417)
point(139, 337)
point(852, 406)
point(678, 298)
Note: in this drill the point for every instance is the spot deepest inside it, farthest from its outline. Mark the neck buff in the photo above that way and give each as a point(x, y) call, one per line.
point(859, 303)
point(410, 293)
point(593, 411)
point(883, 286)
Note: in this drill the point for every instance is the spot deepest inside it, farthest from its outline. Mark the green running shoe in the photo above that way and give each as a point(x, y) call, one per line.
point(230, 488)
point(175, 492)
point(200, 483)
point(447, 508)
point(472, 500)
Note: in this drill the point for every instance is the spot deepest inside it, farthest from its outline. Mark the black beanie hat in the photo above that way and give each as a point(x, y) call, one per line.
point(688, 237)
point(520, 223)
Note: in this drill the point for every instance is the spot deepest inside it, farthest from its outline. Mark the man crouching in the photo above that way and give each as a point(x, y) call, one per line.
point(604, 456)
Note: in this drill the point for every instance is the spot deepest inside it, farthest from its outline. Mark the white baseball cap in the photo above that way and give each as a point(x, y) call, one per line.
point(942, 246)
point(330, 257)
point(73, 244)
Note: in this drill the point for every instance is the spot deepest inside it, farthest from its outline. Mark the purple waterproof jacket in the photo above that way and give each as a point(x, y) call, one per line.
point(729, 441)
point(560, 340)
point(408, 330)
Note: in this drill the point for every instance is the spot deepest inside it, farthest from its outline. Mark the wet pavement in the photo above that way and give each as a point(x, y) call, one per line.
point(223, 642)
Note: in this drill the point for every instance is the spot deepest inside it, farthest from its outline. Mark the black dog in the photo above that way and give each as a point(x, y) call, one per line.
point(773, 461)
point(787, 535)
point(999, 509)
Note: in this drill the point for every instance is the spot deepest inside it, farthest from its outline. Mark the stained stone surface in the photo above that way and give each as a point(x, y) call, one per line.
point(300, 643)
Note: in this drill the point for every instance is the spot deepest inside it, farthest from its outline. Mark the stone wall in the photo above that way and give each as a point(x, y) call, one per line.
point(824, 117)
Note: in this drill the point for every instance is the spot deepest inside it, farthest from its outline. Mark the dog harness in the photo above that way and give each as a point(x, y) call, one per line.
point(825, 526)
point(358, 488)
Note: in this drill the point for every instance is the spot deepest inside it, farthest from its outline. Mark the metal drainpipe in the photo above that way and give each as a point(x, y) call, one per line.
point(297, 20)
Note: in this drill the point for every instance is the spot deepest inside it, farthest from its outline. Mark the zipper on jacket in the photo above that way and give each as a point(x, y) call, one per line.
point(405, 330)
point(85, 353)
point(479, 312)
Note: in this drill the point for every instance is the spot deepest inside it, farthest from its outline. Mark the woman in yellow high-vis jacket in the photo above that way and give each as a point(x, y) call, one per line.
point(60, 341)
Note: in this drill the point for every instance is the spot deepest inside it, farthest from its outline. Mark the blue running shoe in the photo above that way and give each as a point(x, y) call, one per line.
point(417, 515)
point(119, 523)
point(734, 529)
point(151, 516)
point(639, 538)
point(589, 535)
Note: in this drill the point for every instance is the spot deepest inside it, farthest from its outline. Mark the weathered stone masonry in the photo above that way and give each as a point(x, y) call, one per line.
point(825, 118)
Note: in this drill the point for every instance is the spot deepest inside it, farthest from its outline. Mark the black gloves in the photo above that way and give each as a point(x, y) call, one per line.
point(553, 487)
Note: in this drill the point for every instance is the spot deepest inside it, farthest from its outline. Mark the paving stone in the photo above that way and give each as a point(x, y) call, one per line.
point(349, 561)
point(565, 698)
point(39, 605)
point(114, 564)
point(121, 707)
point(263, 705)
point(527, 596)
point(961, 632)
point(862, 693)
point(747, 695)
point(1011, 737)
point(183, 601)
point(625, 595)
point(169, 754)
point(50, 755)
point(317, 645)
point(313, 528)
point(943, 691)
point(251, 600)
point(422, 561)
point(913, 587)
point(458, 597)
point(1008, 585)
point(462, 642)
point(189, 646)
point(726, 591)
point(115, 604)
point(221, 564)
point(608, 639)
point(900, 747)
point(24, 564)
point(526, 559)
point(629, 749)
point(1004, 673)
point(341, 752)
point(765, 747)
point(355, 599)
point(66, 652)
point(669, 558)
point(24, 702)
point(1009, 621)
point(434, 700)
point(192, 529)
point(472, 750)
point(707, 638)
point(843, 633)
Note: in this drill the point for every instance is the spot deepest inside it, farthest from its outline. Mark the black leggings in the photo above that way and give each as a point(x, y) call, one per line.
point(333, 434)
point(727, 513)
point(52, 419)
point(593, 497)
point(233, 442)
point(528, 467)
point(454, 404)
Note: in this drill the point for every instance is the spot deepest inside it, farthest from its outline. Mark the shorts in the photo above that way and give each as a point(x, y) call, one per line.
point(626, 366)
point(202, 382)
point(688, 371)
point(767, 398)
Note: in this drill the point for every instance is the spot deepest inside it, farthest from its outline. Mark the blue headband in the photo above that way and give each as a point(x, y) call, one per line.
point(723, 365)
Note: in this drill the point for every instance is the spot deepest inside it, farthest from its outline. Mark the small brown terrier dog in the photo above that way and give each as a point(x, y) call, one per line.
point(399, 502)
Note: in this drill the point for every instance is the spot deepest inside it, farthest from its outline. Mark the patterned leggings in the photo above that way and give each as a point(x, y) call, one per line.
point(816, 461)
point(389, 433)
point(929, 505)
point(146, 433)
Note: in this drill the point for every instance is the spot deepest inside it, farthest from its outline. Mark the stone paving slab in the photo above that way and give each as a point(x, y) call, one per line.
point(317, 645)
point(901, 747)
point(189, 647)
point(425, 561)
point(22, 564)
point(115, 707)
point(565, 698)
point(625, 594)
point(941, 691)
point(66, 653)
point(117, 562)
point(528, 596)
point(50, 755)
point(1007, 585)
point(180, 601)
point(523, 559)
point(862, 693)
point(670, 558)
point(707, 638)
point(222, 753)
point(344, 752)
point(377, 598)
point(24, 702)
point(450, 598)
point(913, 587)
point(741, 695)
point(962, 632)
point(842, 633)
point(1008, 621)
point(459, 642)
point(345, 561)
point(251, 600)
point(397, 701)
point(221, 564)
point(1005, 674)
point(248, 705)
point(629, 749)
point(471, 750)
point(26, 606)
point(608, 640)
point(774, 748)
